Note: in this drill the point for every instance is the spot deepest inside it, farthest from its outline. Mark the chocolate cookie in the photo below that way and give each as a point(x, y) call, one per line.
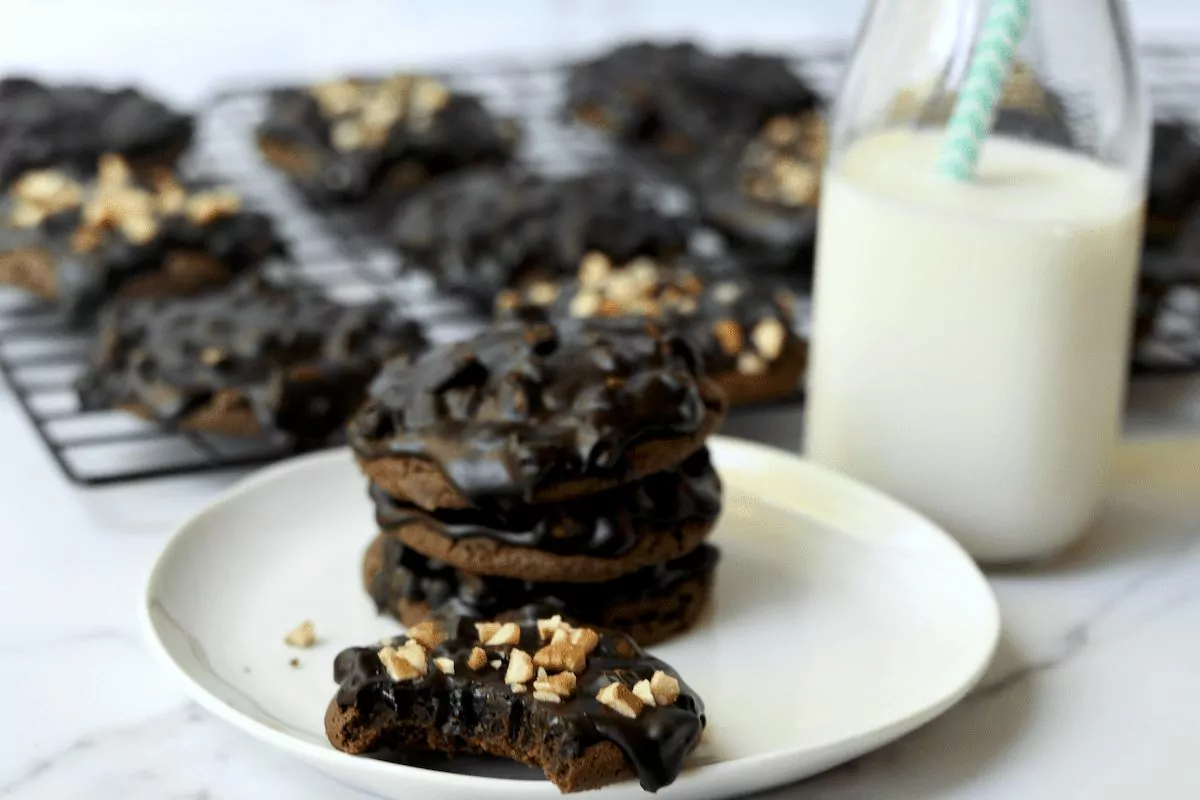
point(681, 99)
point(489, 229)
point(592, 538)
point(253, 359)
point(343, 140)
point(651, 605)
point(70, 126)
point(588, 707)
point(762, 194)
point(744, 330)
point(535, 413)
point(1174, 180)
point(78, 244)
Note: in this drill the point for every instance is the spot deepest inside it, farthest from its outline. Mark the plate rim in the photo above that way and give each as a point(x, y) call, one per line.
point(336, 760)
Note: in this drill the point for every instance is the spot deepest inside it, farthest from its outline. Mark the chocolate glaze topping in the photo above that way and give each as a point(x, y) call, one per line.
point(357, 131)
point(603, 524)
point(70, 126)
point(485, 230)
point(407, 575)
point(522, 405)
point(300, 360)
point(655, 743)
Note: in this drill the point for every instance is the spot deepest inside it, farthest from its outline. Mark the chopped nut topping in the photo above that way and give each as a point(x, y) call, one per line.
point(303, 635)
point(445, 665)
point(205, 207)
point(562, 684)
point(727, 292)
point(644, 693)
point(336, 97)
point(561, 656)
point(543, 293)
point(139, 229)
point(508, 633)
point(414, 654)
point(212, 356)
point(26, 215)
point(585, 304)
point(585, 638)
point(347, 134)
point(781, 131)
point(547, 697)
point(619, 698)
point(112, 169)
point(429, 95)
point(548, 627)
point(594, 268)
point(520, 667)
point(507, 300)
point(496, 663)
point(518, 688)
point(729, 336)
point(797, 182)
point(398, 668)
point(428, 634)
point(751, 364)
point(609, 308)
point(768, 337)
point(478, 659)
point(486, 630)
point(665, 688)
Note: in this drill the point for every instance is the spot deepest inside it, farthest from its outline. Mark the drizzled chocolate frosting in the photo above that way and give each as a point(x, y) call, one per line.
point(605, 524)
point(69, 126)
point(523, 405)
point(406, 575)
point(300, 361)
point(470, 706)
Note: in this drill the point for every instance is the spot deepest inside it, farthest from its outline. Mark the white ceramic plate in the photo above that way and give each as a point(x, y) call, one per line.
point(840, 621)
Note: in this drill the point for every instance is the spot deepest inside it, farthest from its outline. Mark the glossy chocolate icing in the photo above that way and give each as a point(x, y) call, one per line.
point(408, 576)
point(523, 405)
point(71, 125)
point(655, 743)
point(301, 361)
point(605, 524)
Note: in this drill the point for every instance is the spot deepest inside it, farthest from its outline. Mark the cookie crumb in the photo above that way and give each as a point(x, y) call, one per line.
point(303, 635)
point(294, 663)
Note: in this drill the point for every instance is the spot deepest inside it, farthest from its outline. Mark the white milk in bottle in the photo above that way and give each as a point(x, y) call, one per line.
point(970, 341)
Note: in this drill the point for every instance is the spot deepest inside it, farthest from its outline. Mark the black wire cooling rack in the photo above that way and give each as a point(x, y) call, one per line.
point(41, 359)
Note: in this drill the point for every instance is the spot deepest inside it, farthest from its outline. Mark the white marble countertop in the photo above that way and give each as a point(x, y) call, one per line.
point(1092, 693)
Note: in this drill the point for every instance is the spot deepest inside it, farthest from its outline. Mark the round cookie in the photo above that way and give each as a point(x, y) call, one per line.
point(253, 359)
point(593, 538)
point(79, 243)
point(588, 707)
point(535, 413)
point(343, 140)
point(679, 98)
point(651, 605)
point(484, 230)
point(744, 330)
point(762, 193)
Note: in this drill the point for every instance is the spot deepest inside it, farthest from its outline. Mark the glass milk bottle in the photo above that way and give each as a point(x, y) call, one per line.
point(970, 338)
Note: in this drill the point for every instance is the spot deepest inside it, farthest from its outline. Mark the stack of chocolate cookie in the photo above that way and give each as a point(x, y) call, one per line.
point(555, 463)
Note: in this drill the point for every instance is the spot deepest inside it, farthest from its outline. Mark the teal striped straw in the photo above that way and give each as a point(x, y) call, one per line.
point(991, 63)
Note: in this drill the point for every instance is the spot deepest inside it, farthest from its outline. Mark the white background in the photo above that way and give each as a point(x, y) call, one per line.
point(184, 47)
